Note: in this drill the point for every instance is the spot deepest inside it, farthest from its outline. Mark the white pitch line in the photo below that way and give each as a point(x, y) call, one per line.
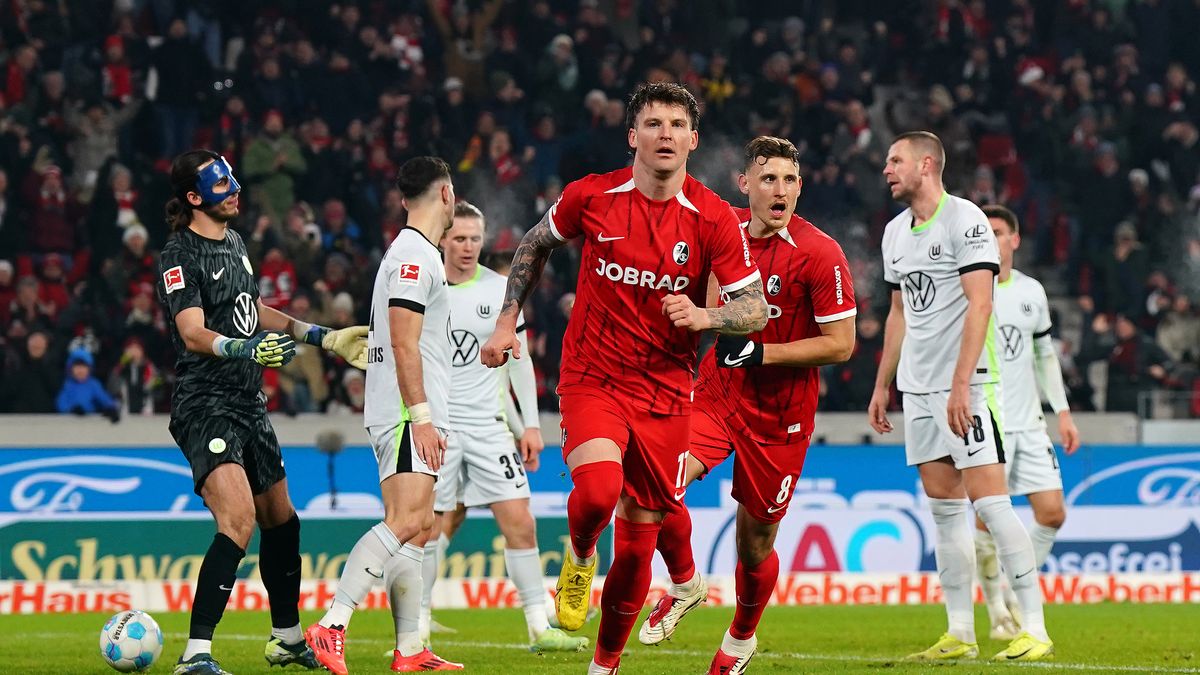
point(800, 656)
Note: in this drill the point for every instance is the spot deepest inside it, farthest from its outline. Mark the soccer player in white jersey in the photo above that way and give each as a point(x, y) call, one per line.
point(484, 467)
point(940, 260)
point(1029, 365)
point(407, 416)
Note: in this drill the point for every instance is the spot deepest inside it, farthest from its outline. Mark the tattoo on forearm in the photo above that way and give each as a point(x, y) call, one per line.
point(746, 311)
point(527, 264)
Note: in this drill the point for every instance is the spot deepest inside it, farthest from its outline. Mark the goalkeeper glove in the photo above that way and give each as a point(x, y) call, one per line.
point(348, 343)
point(268, 349)
point(735, 351)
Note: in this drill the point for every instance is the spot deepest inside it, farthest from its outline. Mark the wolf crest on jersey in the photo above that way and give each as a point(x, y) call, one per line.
point(931, 287)
point(193, 275)
point(1023, 315)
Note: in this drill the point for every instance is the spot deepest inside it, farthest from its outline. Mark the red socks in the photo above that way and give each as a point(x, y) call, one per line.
point(754, 587)
point(591, 503)
point(675, 545)
point(625, 588)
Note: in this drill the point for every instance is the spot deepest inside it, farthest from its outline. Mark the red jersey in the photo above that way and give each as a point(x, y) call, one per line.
point(635, 252)
point(807, 283)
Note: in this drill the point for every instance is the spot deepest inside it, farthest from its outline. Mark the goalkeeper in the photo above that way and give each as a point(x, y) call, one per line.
point(224, 337)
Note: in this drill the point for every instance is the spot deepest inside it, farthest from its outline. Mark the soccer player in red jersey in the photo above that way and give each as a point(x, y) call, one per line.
point(652, 236)
point(756, 397)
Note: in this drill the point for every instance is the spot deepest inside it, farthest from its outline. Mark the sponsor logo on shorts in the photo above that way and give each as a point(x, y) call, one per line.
point(773, 509)
point(216, 446)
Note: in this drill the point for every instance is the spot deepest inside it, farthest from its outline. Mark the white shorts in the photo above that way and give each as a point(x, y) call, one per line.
point(1032, 465)
point(927, 435)
point(395, 451)
point(483, 466)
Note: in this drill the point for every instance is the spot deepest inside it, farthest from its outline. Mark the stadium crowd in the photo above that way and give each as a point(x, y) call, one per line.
point(1081, 115)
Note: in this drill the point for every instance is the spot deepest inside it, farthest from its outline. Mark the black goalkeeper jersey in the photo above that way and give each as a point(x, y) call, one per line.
point(216, 276)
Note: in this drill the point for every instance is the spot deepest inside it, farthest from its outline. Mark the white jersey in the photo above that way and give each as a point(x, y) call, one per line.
point(1023, 315)
point(479, 393)
point(410, 276)
point(925, 264)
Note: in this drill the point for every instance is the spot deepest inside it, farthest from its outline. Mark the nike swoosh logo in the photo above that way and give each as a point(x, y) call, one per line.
point(217, 275)
point(773, 509)
point(601, 238)
point(679, 495)
point(294, 572)
point(896, 260)
point(747, 352)
point(520, 485)
point(972, 454)
point(1025, 574)
point(368, 571)
point(225, 588)
point(1017, 656)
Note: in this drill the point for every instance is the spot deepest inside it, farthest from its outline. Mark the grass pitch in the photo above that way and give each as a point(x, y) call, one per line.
point(1106, 638)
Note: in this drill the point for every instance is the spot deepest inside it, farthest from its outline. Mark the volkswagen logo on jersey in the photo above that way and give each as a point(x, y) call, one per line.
point(484, 311)
point(681, 252)
point(1027, 308)
point(935, 251)
point(774, 284)
point(1013, 343)
point(466, 347)
point(245, 314)
point(920, 291)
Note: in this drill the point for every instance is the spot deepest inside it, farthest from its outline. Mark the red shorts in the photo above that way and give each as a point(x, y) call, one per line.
point(653, 447)
point(764, 476)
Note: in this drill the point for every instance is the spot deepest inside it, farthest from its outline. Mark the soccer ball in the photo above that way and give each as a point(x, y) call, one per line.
point(131, 641)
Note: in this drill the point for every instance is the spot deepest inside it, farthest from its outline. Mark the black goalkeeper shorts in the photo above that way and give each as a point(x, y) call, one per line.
point(208, 441)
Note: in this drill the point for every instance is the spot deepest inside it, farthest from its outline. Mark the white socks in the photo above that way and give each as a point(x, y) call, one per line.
point(1015, 551)
point(195, 647)
point(289, 636)
point(1043, 541)
point(955, 554)
point(403, 578)
point(685, 589)
point(990, 577)
point(364, 566)
point(430, 562)
point(525, 569)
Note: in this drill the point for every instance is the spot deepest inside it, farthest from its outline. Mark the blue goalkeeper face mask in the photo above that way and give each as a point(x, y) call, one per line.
point(208, 178)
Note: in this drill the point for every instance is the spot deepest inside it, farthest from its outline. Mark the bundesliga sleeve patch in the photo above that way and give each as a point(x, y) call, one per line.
point(173, 279)
point(409, 273)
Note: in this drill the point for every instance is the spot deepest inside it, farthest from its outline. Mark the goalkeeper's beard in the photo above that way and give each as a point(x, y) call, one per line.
point(220, 213)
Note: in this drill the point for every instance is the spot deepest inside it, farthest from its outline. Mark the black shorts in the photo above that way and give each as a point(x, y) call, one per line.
point(208, 441)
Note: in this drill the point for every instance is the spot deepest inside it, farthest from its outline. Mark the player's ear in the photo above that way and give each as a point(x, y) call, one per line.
point(632, 138)
point(194, 199)
point(695, 140)
point(744, 183)
point(1016, 240)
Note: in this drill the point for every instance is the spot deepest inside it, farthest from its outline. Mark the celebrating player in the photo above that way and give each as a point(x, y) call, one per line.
point(652, 235)
point(756, 398)
point(1030, 364)
point(407, 418)
point(482, 467)
point(218, 413)
point(940, 260)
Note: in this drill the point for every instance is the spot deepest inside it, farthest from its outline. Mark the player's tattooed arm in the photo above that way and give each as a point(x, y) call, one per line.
point(528, 262)
point(745, 312)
